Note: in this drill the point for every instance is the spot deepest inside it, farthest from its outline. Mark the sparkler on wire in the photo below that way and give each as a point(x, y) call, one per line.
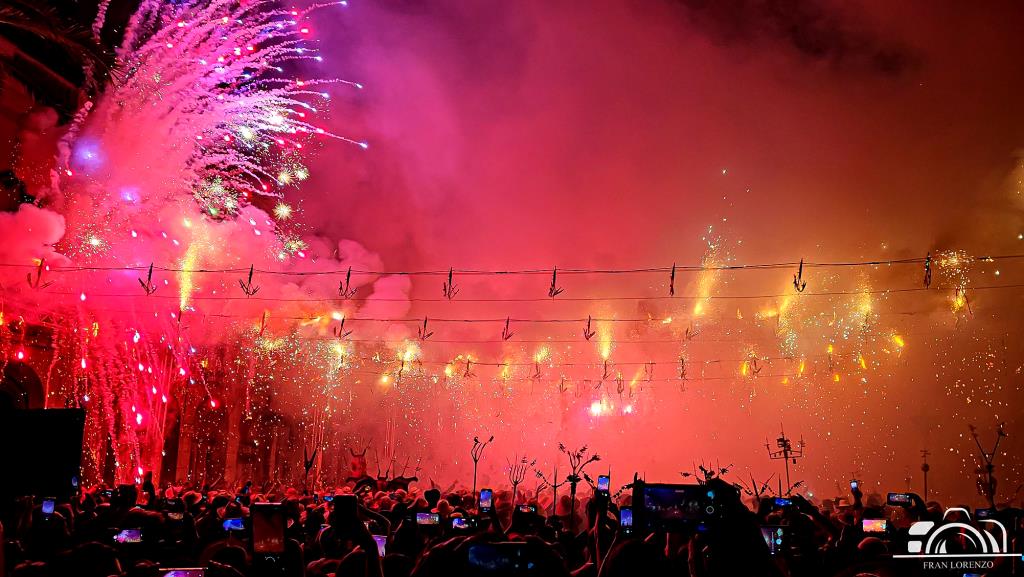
point(506, 334)
point(147, 286)
point(587, 332)
point(554, 290)
point(422, 332)
point(37, 282)
point(798, 279)
point(345, 288)
point(247, 286)
point(449, 288)
point(339, 331)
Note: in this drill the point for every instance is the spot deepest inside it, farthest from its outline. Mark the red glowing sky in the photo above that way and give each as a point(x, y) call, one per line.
point(539, 134)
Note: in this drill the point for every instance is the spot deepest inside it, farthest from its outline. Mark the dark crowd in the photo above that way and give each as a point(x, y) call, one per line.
point(707, 529)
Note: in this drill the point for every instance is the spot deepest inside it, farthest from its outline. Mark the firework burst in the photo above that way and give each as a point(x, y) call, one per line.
point(209, 89)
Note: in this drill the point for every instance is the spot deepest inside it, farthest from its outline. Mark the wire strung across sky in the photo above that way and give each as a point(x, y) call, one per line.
point(578, 380)
point(513, 319)
point(528, 271)
point(595, 364)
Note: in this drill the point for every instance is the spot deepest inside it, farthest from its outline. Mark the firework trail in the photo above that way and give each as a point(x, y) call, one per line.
point(203, 93)
point(184, 158)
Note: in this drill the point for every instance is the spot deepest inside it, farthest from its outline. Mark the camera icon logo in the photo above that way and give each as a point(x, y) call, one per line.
point(958, 538)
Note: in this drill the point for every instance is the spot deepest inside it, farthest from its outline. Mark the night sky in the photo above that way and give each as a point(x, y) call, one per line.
point(597, 135)
point(544, 133)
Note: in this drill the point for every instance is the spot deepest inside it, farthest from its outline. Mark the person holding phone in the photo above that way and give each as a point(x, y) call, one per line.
point(346, 533)
point(733, 544)
point(912, 503)
point(626, 520)
point(485, 504)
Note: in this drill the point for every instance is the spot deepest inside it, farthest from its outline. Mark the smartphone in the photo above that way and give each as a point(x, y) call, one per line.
point(128, 536)
point(899, 499)
point(47, 506)
point(268, 525)
point(184, 572)
point(662, 506)
point(428, 519)
point(175, 515)
point(328, 498)
point(602, 483)
point(626, 520)
point(781, 502)
point(462, 523)
point(527, 508)
point(854, 485)
point(874, 525)
point(774, 537)
point(234, 524)
point(486, 500)
point(987, 513)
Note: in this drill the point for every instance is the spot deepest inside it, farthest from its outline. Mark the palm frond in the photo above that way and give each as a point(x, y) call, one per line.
point(18, 19)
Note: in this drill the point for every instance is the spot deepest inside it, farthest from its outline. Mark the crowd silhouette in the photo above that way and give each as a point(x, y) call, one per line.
point(709, 529)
